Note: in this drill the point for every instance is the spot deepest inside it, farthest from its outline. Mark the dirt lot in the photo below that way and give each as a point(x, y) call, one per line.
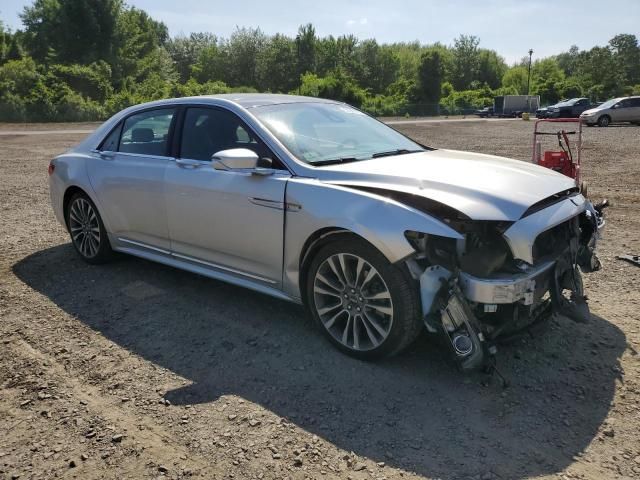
point(136, 370)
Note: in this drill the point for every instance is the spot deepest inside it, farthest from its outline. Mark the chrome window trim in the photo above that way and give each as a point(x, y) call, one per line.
point(143, 155)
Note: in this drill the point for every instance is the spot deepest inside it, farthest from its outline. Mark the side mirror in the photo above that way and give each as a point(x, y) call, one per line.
point(235, 159)
point(242, 160)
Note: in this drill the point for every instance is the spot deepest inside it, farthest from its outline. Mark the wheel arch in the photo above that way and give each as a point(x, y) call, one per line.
point(66, 199)
point(312, 246)
point(327, 209)
point(69, 192)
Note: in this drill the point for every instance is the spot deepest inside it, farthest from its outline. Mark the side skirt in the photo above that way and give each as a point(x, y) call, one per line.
point(166, 258)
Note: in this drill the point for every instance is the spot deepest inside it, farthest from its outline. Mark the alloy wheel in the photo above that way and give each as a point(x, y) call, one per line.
point(85, 227)
point(353, 302)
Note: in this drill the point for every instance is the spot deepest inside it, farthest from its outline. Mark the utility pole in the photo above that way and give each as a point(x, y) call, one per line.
point(529, 80)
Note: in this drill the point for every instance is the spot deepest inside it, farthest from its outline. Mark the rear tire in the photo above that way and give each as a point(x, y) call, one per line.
point(367, 307)
point(87, 231)
point(604, 121)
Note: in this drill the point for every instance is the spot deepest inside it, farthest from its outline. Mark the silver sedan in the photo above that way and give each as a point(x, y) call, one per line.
point(315, 202)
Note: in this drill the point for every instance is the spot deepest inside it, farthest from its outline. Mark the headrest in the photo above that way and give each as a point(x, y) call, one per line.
point(142, 135)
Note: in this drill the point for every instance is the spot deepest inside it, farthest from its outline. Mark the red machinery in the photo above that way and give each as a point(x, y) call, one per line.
point(564, 160)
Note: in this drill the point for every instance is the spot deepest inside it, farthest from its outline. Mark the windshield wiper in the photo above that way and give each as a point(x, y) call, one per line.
point(400, 151)
point(332, 161)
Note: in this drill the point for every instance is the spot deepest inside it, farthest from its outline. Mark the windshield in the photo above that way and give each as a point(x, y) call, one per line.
point(568, 103)
point(322, 133)
point(610, 103)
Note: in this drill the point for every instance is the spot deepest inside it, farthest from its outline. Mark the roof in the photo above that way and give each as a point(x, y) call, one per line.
point(249, 100)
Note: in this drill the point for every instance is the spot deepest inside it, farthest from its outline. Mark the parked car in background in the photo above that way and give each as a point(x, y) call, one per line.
point(616, 110)
point(313, 201)
point(544, 111)
point(569, 109)
point(485, 112)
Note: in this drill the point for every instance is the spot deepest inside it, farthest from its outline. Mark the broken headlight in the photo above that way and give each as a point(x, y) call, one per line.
point(482, 252)
point(484, 249)
point(436, 250)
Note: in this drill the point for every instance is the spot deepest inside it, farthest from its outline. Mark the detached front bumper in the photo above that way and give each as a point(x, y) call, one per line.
point(501, 289)
point(475, 312)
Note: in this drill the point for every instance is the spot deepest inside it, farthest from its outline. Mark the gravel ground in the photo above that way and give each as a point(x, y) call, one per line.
point(136, 370)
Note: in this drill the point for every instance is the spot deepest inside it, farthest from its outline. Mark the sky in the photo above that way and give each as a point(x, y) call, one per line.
point(511, 27)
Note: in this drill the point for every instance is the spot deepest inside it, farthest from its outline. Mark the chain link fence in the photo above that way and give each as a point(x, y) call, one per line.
point(418, 110)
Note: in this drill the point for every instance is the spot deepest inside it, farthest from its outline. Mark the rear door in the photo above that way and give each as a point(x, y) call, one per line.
point(127, 174)
point(226, 220)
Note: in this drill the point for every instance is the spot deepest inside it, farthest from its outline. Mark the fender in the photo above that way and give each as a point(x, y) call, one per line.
point(313, 205)
point(71, 171)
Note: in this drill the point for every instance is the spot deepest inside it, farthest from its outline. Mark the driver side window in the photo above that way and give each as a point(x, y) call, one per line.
point(210, 130)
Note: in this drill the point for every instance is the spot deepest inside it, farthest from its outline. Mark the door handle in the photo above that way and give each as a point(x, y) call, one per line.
point(192, 164)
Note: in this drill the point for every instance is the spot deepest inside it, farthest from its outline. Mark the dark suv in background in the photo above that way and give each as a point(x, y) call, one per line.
point(569, 108)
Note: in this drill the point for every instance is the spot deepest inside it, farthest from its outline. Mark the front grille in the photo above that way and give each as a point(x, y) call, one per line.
point(551, 243)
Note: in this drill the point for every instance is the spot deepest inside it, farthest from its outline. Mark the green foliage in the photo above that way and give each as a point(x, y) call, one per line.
point(430, 73)
point(468, 100)
point(306, 42)
point(86, 59)
point(336, 85)
point(491, 68)
point(516, 79)
point(71, 31)
point(570, 88)
point(626, 52)
point(185, 51)
point(92, 81)
point(386, 105)
point(465, 61)
point(277, 65)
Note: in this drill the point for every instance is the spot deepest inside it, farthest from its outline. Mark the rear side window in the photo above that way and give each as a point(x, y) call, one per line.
point(635, 102)
point(147, 133)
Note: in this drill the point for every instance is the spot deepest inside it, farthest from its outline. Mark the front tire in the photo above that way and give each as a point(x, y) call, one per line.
point(87, 231)
point(604, 121)
point(366, 306)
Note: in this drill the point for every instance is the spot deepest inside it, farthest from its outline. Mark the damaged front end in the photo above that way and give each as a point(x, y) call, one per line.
point(505, 277)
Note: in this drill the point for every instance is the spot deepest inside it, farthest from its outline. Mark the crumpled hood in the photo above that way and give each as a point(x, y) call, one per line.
point(483, 187)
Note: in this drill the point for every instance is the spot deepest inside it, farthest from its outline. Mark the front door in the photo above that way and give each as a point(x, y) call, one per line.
point(227, 220)
point(127, 174)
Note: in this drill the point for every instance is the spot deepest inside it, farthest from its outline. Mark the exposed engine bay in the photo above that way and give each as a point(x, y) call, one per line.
point(476, 293)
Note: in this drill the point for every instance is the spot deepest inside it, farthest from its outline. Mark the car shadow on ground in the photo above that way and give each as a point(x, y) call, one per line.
point(415, 412)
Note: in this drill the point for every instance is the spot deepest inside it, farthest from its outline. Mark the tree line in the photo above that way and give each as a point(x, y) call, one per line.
point(77, 60)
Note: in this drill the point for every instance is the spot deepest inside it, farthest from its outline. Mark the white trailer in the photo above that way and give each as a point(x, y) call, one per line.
point(515, 105)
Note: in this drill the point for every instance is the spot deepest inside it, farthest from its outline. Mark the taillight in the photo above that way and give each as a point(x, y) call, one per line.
point(52, 167)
